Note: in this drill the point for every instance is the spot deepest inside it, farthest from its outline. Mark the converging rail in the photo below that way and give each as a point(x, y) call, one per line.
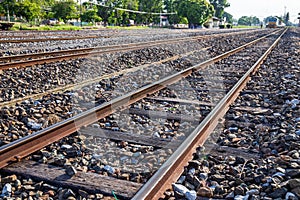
point(27, 60)
point(46, 39)
point(36, 141)
point(172, 168)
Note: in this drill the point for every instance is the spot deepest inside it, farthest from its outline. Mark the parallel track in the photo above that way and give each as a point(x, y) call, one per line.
point(172, 169)
point(49, 57)
point(46, 39)
point(49, 135)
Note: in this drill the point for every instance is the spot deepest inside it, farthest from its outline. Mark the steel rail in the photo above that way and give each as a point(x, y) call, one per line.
point(83, 52)
point(31, 143)
point(94, 80)
point(174, 166)
point(47, 39)
point(35, 55)
point(38, 35)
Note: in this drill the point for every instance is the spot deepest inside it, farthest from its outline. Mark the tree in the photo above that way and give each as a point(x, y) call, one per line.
point(104, 13)
point(65, 10)
point(219, 6)
point(153, 6)
point(255, 20)
point(248, 21)
point(196, 11)
point(8, 7)
point(287, 18)
point(29, 10)
point(130, 5)
point(90, 15)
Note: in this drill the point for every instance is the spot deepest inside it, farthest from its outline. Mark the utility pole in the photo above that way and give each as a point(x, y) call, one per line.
point(80, 14)
point(299, 19)
point(8, 17)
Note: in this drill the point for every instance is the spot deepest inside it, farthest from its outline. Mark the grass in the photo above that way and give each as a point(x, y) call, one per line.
point(21, 26)
point(244, 26)
point(127, 27)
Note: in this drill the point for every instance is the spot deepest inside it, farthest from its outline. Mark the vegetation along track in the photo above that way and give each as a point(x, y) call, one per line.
point(25, 60)
point(12, 151)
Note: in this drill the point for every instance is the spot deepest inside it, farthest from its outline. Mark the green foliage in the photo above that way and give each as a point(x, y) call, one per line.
point(65, 10)
point(154, 6)
point(126, 16)
point(219, 6)
point(19, 26)
point(105, 12)
point(29, 10)
point(196, 11)
point(91, 15)
point(170, 7)
point(248, 21)
point(183, 20)
point(287, 18)
point(229, 17)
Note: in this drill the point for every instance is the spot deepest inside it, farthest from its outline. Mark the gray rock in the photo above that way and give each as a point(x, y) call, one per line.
point(71, 171)
point(203, 176)
point(218, 178)
point(278, 193)
point(293, 183)
point(191, 195)
point(240, 197)
point(230, 195)
point(205, 192)
point(252, 192)
point(290, 196)
point(180, 188)
point(109, 169)
point(239, 190)
point(296, 191)
point(6, 191)
point(293, 172)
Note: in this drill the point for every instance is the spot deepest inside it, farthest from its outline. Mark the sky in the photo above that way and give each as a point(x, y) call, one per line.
point(264, 8)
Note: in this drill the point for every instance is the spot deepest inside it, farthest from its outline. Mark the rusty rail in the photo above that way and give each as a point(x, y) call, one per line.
point(46, 39)
point(31, 143)
point(173, 167)
point(42, 58)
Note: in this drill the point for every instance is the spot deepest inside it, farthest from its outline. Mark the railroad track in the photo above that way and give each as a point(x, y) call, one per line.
point(49, 57)
point(163, 178)
point(94, 80)
point(46, 39)
point(171, 170)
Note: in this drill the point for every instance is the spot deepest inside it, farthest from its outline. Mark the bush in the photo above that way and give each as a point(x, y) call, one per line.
point(45, 28)
point(221, 26)
point(228, 25)
point(183, 20)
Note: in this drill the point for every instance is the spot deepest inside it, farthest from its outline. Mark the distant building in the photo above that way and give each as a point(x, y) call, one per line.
point(213, 22)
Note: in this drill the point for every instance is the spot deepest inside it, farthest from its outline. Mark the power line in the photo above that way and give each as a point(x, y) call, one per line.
point(134, 11)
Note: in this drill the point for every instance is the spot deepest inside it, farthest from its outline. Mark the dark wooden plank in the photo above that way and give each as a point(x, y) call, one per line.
point(130, 137)
point(215, 149)
point(257, 92)
point(222, 73)
point(181, 101)
point(212, 80)
point(209, 89)
point(90, 182)
point(165, 115)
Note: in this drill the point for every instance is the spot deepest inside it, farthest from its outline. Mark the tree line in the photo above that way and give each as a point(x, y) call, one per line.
point(193, 12)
